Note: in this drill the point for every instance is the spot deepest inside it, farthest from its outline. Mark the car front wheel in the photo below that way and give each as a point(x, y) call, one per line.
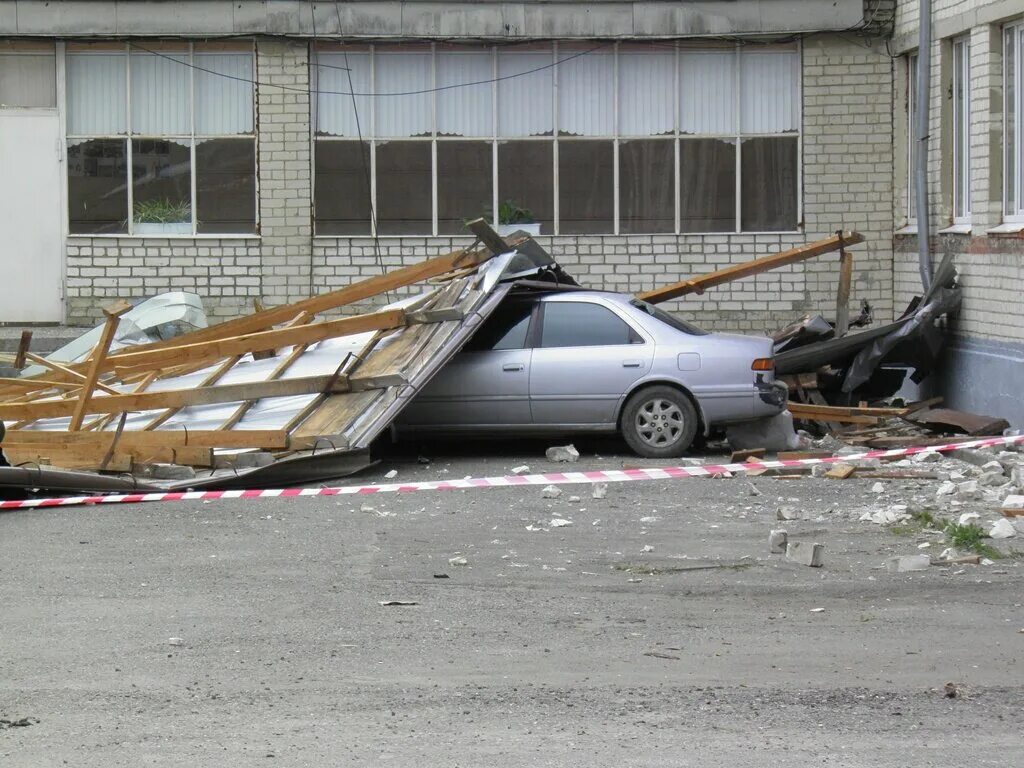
point(659, 422)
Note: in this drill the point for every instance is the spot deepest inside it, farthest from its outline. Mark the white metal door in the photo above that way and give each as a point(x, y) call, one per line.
point(30, 217)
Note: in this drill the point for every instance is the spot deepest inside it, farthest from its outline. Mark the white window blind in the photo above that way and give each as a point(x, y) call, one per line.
point(586, 94)
point(770, 98)
point(334, 103)
point(96, 88)
point(707, 92)
point(409, 74)
point(161, 94)
point(223, 101)
point(646, 84)
point(525, 105)
point(466, 110)
point(28, 80)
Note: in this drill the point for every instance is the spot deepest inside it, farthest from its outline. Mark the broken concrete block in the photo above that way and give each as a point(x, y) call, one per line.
point(992, 466)
point(574, 499)
point(905, 563)
point(458, 561)
point(1002, 529)
point(773, 434)
point(878, 488)
point(840, 471)
point(777, 541)
point(522, 469)
point(391, 475)
point(559, 522)
point(647, 548)
point(551, 492)
point(171, 472)
point(819, 470)
point(968, 517)
point(968, 490)
point(992, 479)
point(946, 488)
point(1013, 506)
point(926, 457)
point(787, 513)
point(599, 491)
point(562, 453)
point(806, 553)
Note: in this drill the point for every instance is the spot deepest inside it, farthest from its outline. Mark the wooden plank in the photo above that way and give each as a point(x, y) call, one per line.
point(494, 242)
point(23, 345)
point(240, 345)
point(738, 456)
point(843, 290)
point(268, 318)
point(798, 455)
point(943, 419)
point(840, 471)
point(71, 375)
point(268, 439)
point(753, 267)
point(920, 405)
point(176, 398)
point(99, 354)
point(37, 385)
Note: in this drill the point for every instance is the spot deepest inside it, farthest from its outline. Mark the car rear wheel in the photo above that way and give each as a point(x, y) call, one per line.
point(659, 422)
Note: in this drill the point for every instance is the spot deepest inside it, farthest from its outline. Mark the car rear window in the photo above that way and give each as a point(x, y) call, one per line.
point(581, 324)
point(668, 318)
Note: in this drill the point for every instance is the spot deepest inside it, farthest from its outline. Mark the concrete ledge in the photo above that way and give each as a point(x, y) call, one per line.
point(452, 19)
point(985, 376)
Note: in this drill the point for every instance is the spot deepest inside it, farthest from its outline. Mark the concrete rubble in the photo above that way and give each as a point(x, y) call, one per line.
point(806, 553)
point(562, 453)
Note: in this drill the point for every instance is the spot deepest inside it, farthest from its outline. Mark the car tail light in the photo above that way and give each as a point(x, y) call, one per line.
point(763, 364)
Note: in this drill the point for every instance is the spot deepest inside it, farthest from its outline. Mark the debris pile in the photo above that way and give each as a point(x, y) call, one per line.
point(283, 395)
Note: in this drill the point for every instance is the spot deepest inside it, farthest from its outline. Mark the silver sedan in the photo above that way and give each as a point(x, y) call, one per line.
point(574, 361)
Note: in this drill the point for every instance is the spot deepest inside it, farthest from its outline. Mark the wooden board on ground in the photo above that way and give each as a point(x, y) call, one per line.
point(840, 471)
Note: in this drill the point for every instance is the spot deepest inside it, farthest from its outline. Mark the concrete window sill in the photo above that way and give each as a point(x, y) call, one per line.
point(956, 229)
point(1009, 228)
point(910, 229)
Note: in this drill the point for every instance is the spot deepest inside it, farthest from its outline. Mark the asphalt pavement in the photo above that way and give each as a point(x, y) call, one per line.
point(648, 628)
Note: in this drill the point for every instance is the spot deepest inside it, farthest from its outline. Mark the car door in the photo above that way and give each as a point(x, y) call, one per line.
point(488, 383)
point(585, 357)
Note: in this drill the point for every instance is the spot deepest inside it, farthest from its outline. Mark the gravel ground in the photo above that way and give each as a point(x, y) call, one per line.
point(656, 630)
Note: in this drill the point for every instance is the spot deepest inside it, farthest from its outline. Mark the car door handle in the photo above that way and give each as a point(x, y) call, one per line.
point(512, 367)
point(632, 364)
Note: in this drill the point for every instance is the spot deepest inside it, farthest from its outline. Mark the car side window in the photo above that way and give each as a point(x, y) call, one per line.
point(581, 324)
point(506, 328)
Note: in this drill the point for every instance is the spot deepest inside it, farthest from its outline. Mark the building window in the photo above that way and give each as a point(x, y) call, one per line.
point(161, 139)
point(961, 131)
point(28, 75)
point(1013, 117)
point(911, 137)
point(581, 138)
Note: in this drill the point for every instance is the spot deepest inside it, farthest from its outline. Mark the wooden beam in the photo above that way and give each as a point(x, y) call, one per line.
point(99, 354)
point(23, 345)
point(175, 398)
point(495, 243)
point(240, 345)
point(268, 318)
point(268, 439)
point(843, 290)
point(72, 375)
point(753, 267)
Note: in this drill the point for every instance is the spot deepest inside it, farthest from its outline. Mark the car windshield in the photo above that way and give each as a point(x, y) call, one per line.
point(668, 318)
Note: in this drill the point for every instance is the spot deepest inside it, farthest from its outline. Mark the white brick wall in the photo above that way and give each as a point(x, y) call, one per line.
point(847, 184)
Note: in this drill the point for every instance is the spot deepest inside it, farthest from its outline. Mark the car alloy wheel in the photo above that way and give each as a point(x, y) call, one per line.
point(659, 423)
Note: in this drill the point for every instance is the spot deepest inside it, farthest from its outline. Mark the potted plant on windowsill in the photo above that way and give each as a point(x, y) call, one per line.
point(162, 217)
point(514, 218)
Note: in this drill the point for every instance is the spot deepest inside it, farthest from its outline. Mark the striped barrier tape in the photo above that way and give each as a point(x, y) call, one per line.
point(549, 478)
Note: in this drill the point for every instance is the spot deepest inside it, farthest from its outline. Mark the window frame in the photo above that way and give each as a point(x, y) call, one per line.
point(33, 48)
point(557, 50)
point(191, 139)
point(961, 133)
point(911, 111)
point(1013, 168)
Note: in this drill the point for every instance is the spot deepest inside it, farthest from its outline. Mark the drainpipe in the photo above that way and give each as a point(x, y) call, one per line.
point(924, 61)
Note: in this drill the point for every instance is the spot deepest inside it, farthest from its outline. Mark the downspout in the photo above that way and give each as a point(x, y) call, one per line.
point(924, 62)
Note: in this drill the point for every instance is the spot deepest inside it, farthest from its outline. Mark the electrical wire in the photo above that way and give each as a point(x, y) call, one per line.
point(351, 92)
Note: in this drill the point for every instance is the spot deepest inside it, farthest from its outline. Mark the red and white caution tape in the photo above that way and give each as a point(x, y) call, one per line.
point(549, 478)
